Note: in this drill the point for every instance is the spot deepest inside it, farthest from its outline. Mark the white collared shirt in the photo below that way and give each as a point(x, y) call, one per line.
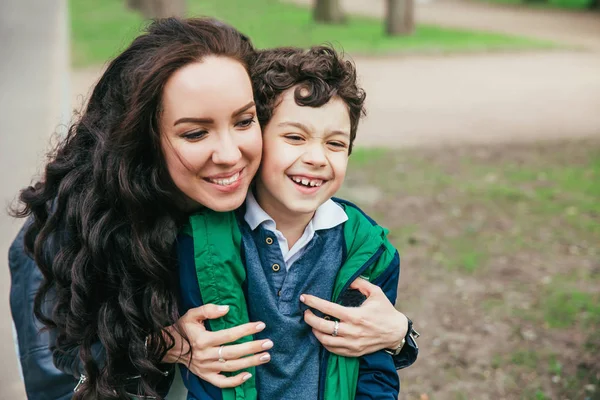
point(327, 216)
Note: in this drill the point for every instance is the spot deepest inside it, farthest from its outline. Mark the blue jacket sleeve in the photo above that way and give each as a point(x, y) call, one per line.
point(388, 282)
point(377, 377)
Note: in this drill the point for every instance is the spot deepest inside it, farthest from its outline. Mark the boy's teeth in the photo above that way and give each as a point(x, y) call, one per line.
point(226, 182)
point(307, 182)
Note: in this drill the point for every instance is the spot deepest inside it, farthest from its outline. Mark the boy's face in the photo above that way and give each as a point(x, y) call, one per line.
point(305, 154)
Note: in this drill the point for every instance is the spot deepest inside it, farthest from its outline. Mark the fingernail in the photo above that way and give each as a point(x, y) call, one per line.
point(265, 357)
point(302, 298)
point(223, 308)
point(260, 327)
point(267, 345)
point(246, 377)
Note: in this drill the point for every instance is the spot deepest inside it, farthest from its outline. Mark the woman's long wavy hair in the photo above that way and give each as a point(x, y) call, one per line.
point(105, 214)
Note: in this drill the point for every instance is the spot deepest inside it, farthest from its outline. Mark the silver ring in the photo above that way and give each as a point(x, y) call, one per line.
point(336, 327)
point(221, 359)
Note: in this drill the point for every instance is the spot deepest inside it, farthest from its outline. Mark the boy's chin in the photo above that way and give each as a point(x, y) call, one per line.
point(304, 207)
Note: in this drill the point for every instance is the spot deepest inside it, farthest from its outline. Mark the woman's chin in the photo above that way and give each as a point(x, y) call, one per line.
point(219, 204)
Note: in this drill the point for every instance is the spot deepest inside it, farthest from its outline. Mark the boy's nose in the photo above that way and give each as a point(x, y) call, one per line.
point(315, 156)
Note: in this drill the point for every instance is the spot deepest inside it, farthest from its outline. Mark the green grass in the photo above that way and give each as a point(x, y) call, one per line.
point(564, 306)
point(506, 217)
point(526, 358)
point(362, 156)
point(571, 191)
point(550, 196)
point(544, 363)
point(102, 28)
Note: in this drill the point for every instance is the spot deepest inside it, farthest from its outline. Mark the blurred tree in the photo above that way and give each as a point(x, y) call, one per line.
point(328, 11)
point(159, 8)
point(400, 17)
point(134, 4)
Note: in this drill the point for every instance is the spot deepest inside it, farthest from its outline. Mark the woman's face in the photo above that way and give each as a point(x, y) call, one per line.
point(210, 135)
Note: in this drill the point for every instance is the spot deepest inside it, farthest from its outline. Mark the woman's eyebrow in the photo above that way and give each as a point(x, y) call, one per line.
point(242, 109)
point(210, 120)
point(194, 120)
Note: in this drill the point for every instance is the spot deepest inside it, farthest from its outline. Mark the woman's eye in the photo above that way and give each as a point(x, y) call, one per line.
point(341, 145)
point(246, 123)
point(196, 135)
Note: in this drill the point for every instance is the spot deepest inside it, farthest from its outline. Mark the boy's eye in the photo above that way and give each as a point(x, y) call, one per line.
point(246, 123)
point(294, 138)
point(340, 145)
point(195, 135)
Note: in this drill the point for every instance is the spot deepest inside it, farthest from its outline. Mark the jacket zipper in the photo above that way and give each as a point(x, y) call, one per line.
point(325, 356)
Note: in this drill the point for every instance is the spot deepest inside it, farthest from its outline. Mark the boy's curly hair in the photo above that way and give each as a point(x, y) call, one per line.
point(320, 70)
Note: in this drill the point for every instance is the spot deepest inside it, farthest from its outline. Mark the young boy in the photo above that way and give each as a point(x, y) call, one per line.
point(294, 238)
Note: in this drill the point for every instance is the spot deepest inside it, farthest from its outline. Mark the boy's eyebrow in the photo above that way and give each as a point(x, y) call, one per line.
point(306, 129)
point(337, 132)
point(210, 120)
point(298, 125)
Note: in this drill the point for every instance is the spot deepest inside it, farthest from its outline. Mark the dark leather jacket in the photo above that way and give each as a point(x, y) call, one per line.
point(43, 381)
point(48, 375)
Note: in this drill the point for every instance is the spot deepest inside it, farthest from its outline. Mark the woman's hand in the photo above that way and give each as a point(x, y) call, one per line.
point(203, 361)
point(373, 326)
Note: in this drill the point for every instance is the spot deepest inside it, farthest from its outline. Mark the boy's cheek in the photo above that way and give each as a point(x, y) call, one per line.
point(340, 165)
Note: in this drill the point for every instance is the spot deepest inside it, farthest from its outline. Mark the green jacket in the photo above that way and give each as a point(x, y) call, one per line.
point(221, 273)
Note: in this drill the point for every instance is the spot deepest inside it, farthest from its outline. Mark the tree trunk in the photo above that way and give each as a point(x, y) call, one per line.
point(400, 18)
point(135, 5)
point(329, 12)
point(160, 8)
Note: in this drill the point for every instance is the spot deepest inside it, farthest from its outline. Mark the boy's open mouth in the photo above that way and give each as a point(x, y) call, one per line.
point(306, 182)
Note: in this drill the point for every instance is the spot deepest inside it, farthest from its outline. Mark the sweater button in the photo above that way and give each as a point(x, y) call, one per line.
point(276, 267)
point(269, 241)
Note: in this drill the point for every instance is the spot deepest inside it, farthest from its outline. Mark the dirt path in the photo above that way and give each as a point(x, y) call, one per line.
point(485, 98)
point(480, 98)
point(489, 98)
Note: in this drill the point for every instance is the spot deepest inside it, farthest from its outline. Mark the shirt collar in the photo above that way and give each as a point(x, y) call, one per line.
point(327, 216)
point(255, 215)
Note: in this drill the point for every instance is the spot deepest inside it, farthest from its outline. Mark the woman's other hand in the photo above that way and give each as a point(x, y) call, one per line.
point(203, 361)
point(373, 326)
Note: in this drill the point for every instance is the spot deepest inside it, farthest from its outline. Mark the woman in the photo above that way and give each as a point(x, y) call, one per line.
point(119, 187)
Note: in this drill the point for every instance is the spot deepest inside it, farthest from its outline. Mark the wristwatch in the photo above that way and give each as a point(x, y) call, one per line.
point(413, 335)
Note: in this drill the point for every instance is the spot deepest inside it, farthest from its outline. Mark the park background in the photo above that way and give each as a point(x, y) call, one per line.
point(480, 153)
